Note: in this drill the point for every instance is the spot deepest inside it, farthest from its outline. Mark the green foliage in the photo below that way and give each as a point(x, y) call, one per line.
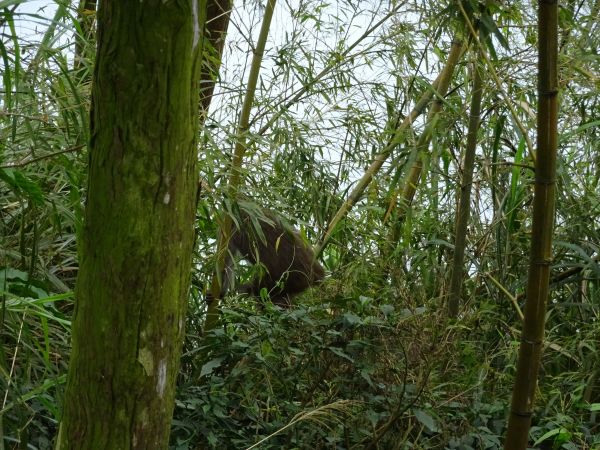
point(366, 357)
point(267, 368)
point(43, 125)
point(35, 331)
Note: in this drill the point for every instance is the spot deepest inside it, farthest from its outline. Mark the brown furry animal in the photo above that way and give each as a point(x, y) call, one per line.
point(289, 263)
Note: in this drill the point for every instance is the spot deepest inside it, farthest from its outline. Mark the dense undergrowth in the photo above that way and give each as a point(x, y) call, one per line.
point(354, 372)
point(376, 368)
point(368, 358)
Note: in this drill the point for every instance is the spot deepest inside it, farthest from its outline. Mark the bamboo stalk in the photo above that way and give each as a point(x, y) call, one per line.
point(373, 169)
point(410, 187)
point(464, 205)
point(492, 72)
point(523, 396)
point(235, 175)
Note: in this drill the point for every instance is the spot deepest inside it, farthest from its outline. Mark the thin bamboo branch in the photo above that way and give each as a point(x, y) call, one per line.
point(76, 148)
point(328, 69)
point(492, 71)
point(373, 169)
point(512, 298)
point(414, 175)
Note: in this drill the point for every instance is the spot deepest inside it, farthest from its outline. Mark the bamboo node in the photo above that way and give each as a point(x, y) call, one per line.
point(548, 182)
point(521, 414)
point(548, 92)
point(543, 261)
point(524, 340)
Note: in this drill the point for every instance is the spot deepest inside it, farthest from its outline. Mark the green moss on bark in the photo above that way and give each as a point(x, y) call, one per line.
point(138, 234)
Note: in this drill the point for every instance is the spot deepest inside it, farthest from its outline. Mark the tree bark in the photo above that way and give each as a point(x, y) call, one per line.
point(134, 275)
point(215, 31)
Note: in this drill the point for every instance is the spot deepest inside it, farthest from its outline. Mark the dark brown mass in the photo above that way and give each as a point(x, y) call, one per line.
point(289, 263)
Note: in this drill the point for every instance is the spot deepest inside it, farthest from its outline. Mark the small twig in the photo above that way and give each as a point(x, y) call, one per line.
point(14, 359)
point(41, 158)
point(512, 298)
point(508, 163)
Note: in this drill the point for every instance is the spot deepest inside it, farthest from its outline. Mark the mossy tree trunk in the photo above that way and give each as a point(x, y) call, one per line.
point(138, 235)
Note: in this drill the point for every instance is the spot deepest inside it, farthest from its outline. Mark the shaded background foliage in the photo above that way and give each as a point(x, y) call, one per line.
point(364, 359)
